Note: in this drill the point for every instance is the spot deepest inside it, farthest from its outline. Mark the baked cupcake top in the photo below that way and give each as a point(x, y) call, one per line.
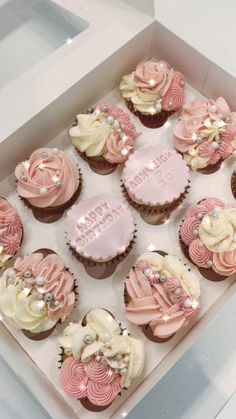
point(206, 132)
point(101, 358)
point(11, 231)
point(106, 131)
point(100, 228)
point(49, 178)
point(209, 231)
point(155, 175)
point(36, 293)
point(152, 87)
point(162, 292)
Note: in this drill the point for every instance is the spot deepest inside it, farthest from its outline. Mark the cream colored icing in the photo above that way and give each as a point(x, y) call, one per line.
point(119, 351)
point(218, 233)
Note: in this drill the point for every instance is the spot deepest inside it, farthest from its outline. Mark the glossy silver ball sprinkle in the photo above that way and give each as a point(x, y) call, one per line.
point(43, 191)
point(48, 296)
point(178, 291)
point(56, 303)
point(27, 274)
point(214, 145)
point(55, 150)
point(200, 216)
point(182, 83)
point(170, 104)
point(209, 263)
point(40, 280)
point(88, 339)
point(123, 371)
point(213, 108)
point(58, 184)
point(188, 303)
point(104, 108)
point(110, 119)
point(147, 271)
point(195, 231)
point(23, 178)
point(158, 107)
point(162, 277)
point(44, 154)
point(227, 120)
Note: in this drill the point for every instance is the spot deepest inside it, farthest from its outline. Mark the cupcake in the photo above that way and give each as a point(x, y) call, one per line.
point(104, 137)
point(206, 134)
point(49, 182)
point(153, 92)
point(155, 180)
point(161, 295)
point(233, 184)
point(37, 293)
point(11, 232)
point(100, 232)
point(98, 360)
point(208, 238)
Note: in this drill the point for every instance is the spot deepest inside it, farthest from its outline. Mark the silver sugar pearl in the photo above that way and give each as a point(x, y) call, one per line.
point(162, 277)
point(214, 145)
point(188, 303)
point(200, 216)
point(43, 191)
point(55, 150)
point(88, 339)
point(158, 107)
point(48, 296)
point(213, 108)
point(170, 104)
point(40, 280)
point(110, 119)
point(56, 303)
point(44, 154)
point(209, 263)
point(147, 271)
point(104, 108)
point(27, 274)
point(123, 371)
point(178, 291)
point(58, 184)
point(195, 231)
point(23, 178)
point(227, 119)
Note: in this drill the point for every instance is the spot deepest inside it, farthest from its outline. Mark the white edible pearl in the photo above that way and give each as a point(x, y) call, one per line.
point(40, 280)
point(44, 154)
point(147, 271)
point(58, 184)
point(56, 303)
point(209, 263)
point(181, 82)
point(200, 216)
point(188, 303)
point(55, 150)
point(123, 371)
point(213, 108)
point(48, 296)
point(178, 291)
point(158, 107)
point(23, 178)
point(110, 119)
point(195, 231)
point(43, 191)
point(170, 104)
point(214, 145)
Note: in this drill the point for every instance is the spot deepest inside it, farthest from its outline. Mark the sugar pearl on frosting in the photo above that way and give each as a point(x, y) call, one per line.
point(213, 108)
point(215, 145)
point(55, 150)
point(147, 271)
point(195, 231)
point(181, 82)
point(40, 280)
point(200, 216)
point(88, 339)
point(27, 274)
point(178, 291)
point(56, 303)
point(227, 119)
point(58, 184)
point(209, 263)
point(170, 104)
point(44, 154)
point(162, 277)
point(188, 303)
point(123, 371)
point(110, 119)
point(158, 107)
point(43, 191)
point(48, 296)
point(23, 178)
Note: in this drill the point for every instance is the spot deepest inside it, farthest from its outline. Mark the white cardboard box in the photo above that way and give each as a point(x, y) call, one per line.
point(35, 362)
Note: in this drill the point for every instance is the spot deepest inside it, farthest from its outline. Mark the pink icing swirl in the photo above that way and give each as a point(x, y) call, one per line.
point(161, 305)
point(225, 263)
point(174, 97)
point(199, 254)
point(117, 149)
point(92, 379)
point(11, 229)
point(210, 203)
point(197, 211)
point(48, 179)
point(73, 378)
point(153, 77)
point(189, 229)
point(57, 280)
point(191, 131)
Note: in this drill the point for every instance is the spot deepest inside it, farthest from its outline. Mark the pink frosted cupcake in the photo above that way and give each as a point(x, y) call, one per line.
point(161, 295)
point(37, 293)
point(155, 181)
point(208, 238)
point(99, 359)
point(49, 182)
point(104, 137)
point(11, 232)
point(206, 134)
point(100, 232)
point(153, 91)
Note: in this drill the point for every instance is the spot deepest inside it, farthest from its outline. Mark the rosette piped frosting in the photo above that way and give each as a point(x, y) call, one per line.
point(100, 358)
point(152, 87)
point(106, 131)
point(206, 132)
point(162, 293)
point(36, 293)
point(11, 231)
point(209, 231)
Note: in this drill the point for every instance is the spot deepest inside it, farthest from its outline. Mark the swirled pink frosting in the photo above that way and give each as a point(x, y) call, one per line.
point(11, 229)
point(48, 179)
point(223, 263)
point(117, 149)
point(56, 280)
point(93, 379)
point(159, 79)
point(162, 305)
point(191, 131)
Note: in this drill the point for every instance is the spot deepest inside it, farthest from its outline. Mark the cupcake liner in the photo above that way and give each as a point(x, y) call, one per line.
point(102, 270)
point(150, 121)
point(211, 168)
point(52, 214)
point(233, 184)
point(159, 214)
point(146, 329)
point(207, 273)
point(98, 164)
point(43, 335)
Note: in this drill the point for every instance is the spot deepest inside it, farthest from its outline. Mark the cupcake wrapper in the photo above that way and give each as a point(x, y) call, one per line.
point(211, 168)
point(233, 184)
point(207, 273)
point(150, 121)
point(165, 209)
point(52, 214)
point(99, 164)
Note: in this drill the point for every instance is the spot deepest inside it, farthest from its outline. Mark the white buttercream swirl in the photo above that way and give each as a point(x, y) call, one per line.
point(217, 232)
point(22, 309)
point(90, 134)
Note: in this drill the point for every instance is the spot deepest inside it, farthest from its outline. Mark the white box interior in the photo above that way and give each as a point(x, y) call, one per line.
point(39, 131)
